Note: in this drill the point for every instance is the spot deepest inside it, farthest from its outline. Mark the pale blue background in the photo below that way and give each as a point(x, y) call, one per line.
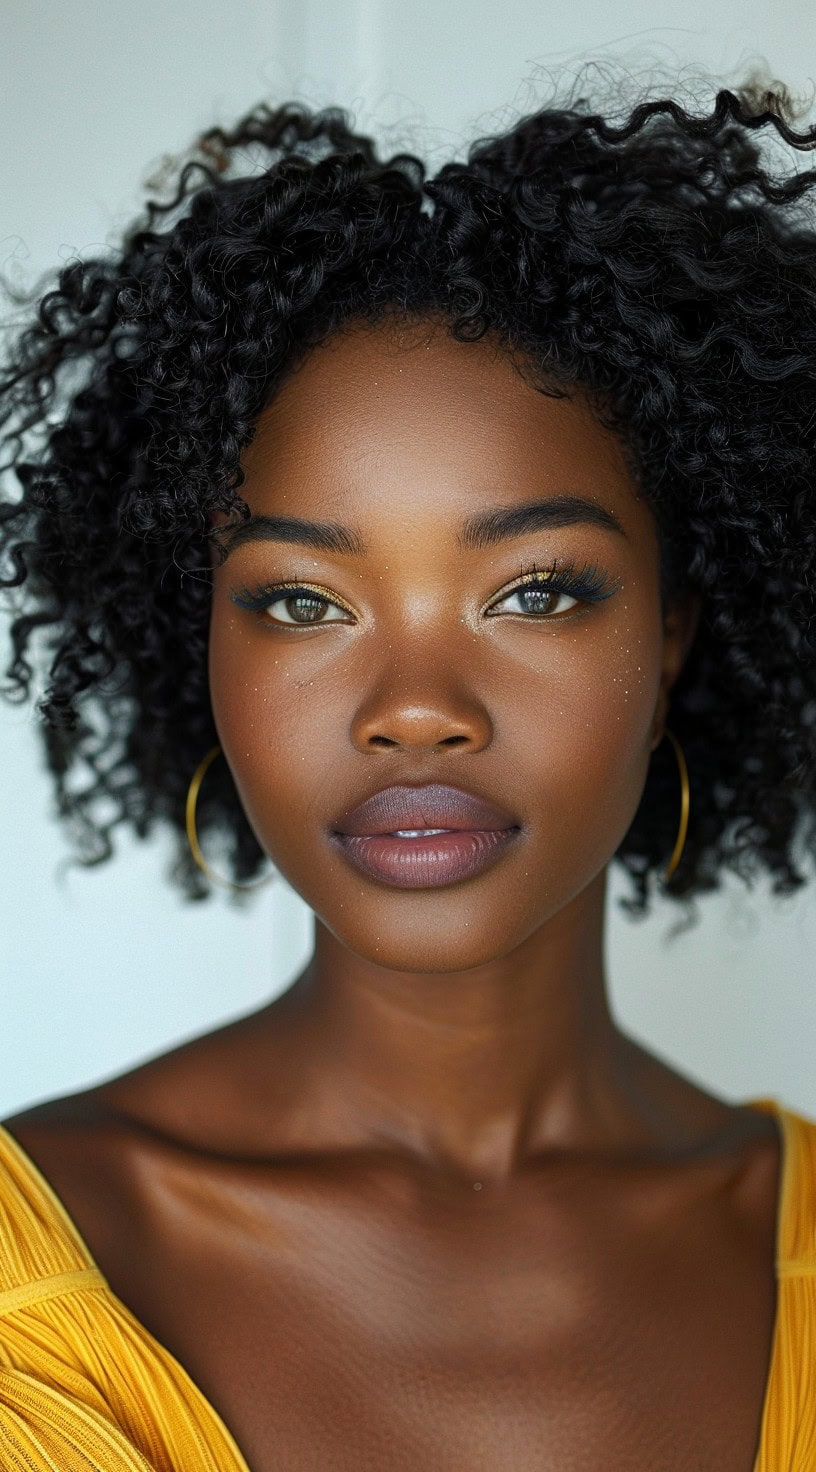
point(104, 968)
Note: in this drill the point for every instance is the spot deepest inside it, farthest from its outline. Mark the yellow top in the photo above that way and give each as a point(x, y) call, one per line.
point(84, 1386)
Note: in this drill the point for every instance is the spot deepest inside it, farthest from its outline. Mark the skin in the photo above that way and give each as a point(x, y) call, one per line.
point(439, 1205)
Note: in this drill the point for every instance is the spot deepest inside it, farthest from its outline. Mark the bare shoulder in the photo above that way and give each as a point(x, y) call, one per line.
point(742, 1144)
point(166, 1097)
point(119, 1153)
point(105, 1150)
point(89, 1155)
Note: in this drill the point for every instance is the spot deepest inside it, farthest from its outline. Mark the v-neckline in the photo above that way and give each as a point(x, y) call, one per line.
point(207, 1411)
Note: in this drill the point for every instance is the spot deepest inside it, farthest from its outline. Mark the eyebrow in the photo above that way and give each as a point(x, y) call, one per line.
point(484, 529)
point(487, 528)
point(326, 536)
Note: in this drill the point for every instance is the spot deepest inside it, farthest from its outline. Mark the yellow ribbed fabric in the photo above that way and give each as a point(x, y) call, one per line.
point(85, 1388)
point(788, 1437)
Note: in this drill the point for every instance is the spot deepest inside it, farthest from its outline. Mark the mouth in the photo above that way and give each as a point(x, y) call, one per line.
point(424, 837)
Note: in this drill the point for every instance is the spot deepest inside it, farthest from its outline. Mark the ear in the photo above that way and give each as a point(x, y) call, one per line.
point(679, 629)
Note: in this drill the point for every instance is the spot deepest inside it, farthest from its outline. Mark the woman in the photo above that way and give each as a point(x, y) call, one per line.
point(441, 541)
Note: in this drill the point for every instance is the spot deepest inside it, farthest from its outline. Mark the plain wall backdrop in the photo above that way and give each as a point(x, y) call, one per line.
point(105, 967)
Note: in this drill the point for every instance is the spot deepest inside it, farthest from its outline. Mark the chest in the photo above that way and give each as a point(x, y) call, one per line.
point(326, 1334)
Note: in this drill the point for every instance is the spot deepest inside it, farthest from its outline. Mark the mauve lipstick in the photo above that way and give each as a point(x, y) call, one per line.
point(424, 837)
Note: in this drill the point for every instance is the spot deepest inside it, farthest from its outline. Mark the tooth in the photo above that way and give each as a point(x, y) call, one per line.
point(417, 832)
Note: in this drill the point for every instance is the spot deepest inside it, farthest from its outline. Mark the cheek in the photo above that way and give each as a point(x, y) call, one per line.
point(582, 715)
point(276, 723)
point(617, 695)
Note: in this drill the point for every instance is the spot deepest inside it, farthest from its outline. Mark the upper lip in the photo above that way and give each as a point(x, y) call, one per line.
point(434, 805)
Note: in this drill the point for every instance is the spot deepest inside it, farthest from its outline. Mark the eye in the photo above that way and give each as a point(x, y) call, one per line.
point(302, 607)
point(552, 592)
point(295, 605)
point(537, 600)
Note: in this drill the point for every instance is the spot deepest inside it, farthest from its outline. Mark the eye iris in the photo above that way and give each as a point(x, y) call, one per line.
point(305, 608)
point(537, 600)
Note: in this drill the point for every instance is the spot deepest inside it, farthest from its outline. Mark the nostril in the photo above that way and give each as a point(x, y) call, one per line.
point(389, 741)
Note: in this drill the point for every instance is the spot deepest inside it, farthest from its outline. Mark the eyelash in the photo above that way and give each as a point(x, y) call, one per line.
point(588, 584)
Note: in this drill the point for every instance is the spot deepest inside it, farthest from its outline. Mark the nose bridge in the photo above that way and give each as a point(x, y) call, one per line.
point(424, 691)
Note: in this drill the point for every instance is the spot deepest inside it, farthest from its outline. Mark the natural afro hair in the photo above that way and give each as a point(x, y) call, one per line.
point(665, 263)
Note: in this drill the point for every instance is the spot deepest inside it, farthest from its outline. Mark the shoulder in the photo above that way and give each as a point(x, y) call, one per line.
point(82, 1381)
point(38, 1238)
point(103, 1126)
point(115, 1167)
point(70, 1173)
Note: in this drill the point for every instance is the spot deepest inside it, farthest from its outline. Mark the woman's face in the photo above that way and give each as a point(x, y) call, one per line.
point(410, 657)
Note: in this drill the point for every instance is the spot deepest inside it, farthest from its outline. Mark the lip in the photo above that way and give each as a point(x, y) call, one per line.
point(476, 834)
point(433, 805)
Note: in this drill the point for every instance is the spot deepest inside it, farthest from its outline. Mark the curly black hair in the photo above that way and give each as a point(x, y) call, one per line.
point(664, 264)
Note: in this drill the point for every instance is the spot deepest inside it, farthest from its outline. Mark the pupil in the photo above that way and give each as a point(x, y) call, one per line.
point(305, 608)
point(536, 600)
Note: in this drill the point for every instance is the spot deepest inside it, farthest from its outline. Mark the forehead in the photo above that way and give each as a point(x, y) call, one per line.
point(393, 418)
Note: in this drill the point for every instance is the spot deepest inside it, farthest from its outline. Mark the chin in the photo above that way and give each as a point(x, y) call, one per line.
point(458, 943)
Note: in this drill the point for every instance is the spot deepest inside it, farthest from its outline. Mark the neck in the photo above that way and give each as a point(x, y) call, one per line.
point(473, 1069)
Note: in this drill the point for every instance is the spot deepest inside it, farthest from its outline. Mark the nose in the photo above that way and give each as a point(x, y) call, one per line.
point(421, 709)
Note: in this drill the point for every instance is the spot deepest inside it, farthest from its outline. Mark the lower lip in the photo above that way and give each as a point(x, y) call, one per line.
point(426, 863)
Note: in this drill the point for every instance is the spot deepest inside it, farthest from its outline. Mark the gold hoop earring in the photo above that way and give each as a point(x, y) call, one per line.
point(684, 805)
point(192, 836)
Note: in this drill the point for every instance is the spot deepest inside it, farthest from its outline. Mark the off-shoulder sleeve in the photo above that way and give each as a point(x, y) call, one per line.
point(788, 1438)
point(83, 1386)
